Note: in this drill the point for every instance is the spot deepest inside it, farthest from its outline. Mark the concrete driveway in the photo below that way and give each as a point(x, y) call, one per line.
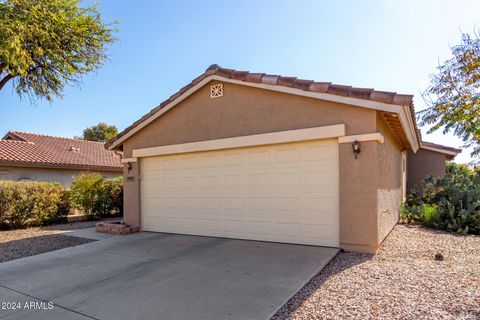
point(159, 276)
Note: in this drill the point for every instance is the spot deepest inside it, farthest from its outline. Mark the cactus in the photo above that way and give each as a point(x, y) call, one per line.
point(450, 203)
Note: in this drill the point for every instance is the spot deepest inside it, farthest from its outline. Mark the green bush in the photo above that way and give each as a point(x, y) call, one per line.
point(31, 204)
point(97, 196)
point(410, 210)
point(450, 203)
point(24, 204)
point(429, 215)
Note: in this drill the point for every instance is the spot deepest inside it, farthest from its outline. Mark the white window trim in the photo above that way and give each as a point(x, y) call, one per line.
point(402, 111)
point(316, 133)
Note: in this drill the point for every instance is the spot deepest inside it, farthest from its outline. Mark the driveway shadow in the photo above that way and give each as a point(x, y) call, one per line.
point(341, 262)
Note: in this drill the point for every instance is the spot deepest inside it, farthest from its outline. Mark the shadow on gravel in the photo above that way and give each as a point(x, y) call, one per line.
point(79, 225)
point(340, 263)
point(437, 231)
point(25, 247)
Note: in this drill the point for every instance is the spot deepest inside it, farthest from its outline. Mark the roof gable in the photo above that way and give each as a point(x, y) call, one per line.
point(398, 104)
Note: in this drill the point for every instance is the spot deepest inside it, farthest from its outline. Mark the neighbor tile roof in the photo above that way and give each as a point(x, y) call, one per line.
point(293, 82)
point(28, 149)
point(441, 147)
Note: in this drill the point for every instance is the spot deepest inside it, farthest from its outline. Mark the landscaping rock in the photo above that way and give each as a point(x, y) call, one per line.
point(401, 282)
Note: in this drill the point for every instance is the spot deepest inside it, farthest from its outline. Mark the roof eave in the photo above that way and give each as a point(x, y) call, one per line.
point(450, 154)
point(59, 166)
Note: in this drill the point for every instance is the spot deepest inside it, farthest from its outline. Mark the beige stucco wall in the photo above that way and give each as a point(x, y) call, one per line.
point(358, 197)
point(389, 187)
point(64, 176)
point(423, 163)
point(246, 111)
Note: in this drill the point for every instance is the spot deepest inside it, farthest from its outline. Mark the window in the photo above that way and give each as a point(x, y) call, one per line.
point(4, 175)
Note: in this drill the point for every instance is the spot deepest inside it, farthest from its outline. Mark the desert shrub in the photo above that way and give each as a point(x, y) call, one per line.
point(64, 205)
point(450, 203)
point(49, 203)
point(429, 215)
point(114, 188)
point(30, 204)
point(97, 196)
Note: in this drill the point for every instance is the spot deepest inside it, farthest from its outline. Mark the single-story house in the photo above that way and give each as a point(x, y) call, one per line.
point(36, 157)
point(256, 156)
point(430, 159)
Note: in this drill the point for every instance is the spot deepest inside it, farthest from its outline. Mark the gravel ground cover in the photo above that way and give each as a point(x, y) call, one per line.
point(21, 243)
point(403, 281)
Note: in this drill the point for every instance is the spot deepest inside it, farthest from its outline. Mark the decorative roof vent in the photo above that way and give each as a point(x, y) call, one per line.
point(216, 91)
point(73, 149)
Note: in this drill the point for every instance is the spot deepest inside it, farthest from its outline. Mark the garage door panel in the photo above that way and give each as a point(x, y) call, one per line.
point(284, 193)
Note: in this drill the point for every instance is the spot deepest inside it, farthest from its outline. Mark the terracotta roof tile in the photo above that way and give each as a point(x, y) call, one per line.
point(286, 81)
point(223, 72)
point(338, 90)
point(255, 77)
point(319, 86)
point(402, 99)
point(360, 93)
point(439, 146)
point(302, 84)
point(270, 79)
point(382, 96)
point(42, 150)
point(240, 75)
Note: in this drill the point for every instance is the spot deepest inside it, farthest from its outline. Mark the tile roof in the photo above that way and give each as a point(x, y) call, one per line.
point(300, 84)
point(450, 153)
point(29, 149)
point(439, 146)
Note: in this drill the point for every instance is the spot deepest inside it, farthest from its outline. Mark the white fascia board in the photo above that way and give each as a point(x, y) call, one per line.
point(316, 133)
point(363, 137)
point(409, 128)
point(452, 153)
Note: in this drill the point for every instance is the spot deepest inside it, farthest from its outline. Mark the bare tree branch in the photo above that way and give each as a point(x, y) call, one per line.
point(4, 81)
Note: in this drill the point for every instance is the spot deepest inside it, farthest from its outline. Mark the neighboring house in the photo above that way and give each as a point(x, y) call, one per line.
point(35, 157)
point(430, 159)
point(254, 156)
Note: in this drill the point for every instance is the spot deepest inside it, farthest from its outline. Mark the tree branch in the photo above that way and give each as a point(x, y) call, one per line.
point(4, 81)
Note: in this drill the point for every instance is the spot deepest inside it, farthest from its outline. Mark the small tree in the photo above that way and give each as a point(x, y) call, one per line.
point(45, 45)
point(102, 132)
point(454, 95)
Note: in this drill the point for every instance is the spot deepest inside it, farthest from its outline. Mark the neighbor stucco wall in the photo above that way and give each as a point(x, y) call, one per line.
point(389, 183)
point(63, 176)
point(246, 111)
point(423, 163)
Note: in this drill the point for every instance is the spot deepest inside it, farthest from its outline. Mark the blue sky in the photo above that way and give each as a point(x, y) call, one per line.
point(163, 45)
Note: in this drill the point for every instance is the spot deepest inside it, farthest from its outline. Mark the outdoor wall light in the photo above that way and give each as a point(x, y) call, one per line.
point(129, 166)
point(356, 148)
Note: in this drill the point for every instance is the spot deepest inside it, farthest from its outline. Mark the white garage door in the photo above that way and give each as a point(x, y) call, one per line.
point(282, 193)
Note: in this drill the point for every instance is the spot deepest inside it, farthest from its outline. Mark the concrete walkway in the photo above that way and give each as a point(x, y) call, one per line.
point(159, 276)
